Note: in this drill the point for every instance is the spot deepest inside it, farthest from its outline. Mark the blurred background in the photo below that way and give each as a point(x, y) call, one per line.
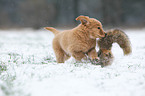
point(62, 13)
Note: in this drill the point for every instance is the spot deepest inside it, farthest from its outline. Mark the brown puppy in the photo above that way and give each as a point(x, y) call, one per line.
point(105, 45)
point(79, 41)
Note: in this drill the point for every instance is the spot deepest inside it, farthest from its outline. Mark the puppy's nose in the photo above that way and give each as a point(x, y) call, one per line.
point(104, 34)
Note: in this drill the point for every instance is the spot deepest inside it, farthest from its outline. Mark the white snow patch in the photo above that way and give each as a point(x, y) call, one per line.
point(28, 68)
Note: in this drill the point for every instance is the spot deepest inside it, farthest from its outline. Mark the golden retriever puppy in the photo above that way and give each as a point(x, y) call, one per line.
point(79, 41)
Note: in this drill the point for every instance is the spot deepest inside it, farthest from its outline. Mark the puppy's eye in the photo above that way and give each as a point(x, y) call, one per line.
point(98, 27)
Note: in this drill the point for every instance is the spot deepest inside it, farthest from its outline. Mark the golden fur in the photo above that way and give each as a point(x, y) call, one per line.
point(79, 41)
point(105, 45)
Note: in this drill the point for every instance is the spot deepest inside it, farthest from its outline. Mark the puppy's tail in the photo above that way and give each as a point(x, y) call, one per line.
point(118, 36)
point(52, 30)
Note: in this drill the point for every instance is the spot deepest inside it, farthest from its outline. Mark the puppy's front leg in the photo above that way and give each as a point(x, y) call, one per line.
point(76, 52)
point(78, 55)
point(93, 54)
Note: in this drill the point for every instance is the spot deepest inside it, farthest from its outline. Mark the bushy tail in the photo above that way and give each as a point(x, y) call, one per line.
point(118, 36)
point(122, 39)
point(52, 30)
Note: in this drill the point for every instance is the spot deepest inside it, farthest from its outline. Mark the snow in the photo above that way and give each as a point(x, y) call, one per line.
point(28, 68)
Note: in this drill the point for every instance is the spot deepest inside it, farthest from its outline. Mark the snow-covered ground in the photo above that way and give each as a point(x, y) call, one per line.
point(28, 68)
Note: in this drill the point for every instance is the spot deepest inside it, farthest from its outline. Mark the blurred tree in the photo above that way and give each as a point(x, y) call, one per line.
point(112, 12)
point(133, 13)
point(40, 13)
point(67, 12)
point(36, 13)
point(6, 12)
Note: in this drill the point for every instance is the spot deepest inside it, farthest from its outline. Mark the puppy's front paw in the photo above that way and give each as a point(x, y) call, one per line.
point(95, 61)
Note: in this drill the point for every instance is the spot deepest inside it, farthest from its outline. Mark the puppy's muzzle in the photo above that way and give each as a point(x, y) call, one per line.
point(104, 36)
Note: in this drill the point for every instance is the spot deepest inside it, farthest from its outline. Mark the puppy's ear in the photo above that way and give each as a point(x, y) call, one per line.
point(84, 19)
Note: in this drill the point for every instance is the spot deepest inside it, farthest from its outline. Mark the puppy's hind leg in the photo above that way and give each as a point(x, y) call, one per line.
point(59, 53)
